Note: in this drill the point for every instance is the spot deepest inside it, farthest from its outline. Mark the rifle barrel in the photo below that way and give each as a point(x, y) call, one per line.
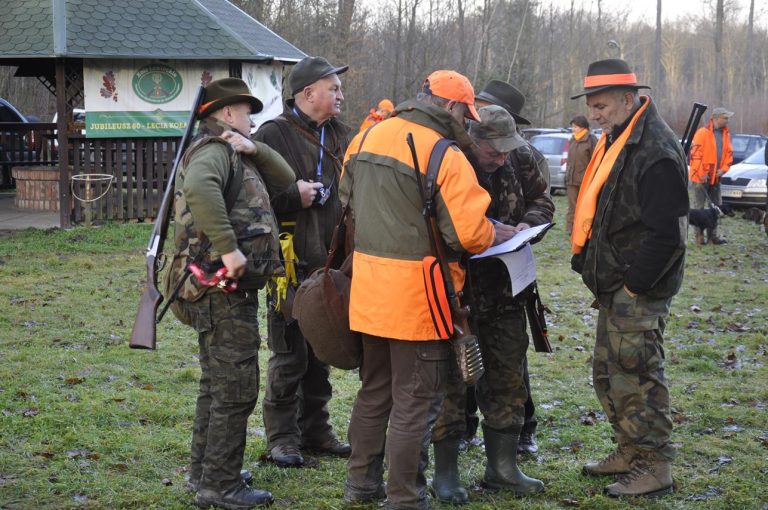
point(144, 332)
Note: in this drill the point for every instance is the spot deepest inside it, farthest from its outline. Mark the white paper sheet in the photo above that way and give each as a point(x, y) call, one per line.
point(521, 267)
point(513, 244)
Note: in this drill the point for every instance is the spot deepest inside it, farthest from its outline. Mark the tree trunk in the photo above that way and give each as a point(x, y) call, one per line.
point(752, 68)
point(398, 48)
point(719, 71)
point(343, 25)
point(659, 74)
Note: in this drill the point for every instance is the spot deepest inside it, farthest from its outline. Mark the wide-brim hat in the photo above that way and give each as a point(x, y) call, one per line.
point(224, 92)
point(309, 70)
point(606, 74)
point(505, 95)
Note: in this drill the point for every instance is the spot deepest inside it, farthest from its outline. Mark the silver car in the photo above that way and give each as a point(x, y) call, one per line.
point(555, 147)
point(744, 185)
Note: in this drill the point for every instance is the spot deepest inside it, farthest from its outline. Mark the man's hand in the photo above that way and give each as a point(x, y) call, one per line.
point(308, 190)
point(239, 142)
point(235, 262)
point(503, 233)
point(521, 226)
point(720, 173)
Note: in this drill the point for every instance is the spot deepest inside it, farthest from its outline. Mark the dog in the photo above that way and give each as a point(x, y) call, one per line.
point(727, 209)
point(757, 215)
point(705, 219)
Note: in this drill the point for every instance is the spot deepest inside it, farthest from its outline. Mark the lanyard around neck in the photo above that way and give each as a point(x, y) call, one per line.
point(319, 169)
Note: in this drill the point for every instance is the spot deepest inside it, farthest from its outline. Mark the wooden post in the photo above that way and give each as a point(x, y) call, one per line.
point(65, 209)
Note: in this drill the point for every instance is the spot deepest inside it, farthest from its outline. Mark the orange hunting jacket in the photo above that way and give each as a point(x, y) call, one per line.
point(704, 167)
point(388, 297)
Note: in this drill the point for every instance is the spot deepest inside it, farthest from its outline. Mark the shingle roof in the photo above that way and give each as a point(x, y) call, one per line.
point(179, 29)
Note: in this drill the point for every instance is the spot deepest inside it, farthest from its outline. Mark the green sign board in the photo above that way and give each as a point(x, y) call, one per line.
point(133, 124)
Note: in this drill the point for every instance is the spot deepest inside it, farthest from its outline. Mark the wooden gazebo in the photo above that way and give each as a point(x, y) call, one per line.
point(66, 43)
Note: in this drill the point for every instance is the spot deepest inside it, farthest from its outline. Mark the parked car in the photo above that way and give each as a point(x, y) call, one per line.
point(744, 145)
point(529, 133)
point(15, 146)
point(555, 147)
point(744, 185)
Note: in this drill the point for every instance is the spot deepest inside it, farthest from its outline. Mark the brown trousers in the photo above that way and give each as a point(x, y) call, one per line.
point(393, 415)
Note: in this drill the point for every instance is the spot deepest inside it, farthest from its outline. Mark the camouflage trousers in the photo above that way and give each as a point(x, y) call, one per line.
point(628, 372)
point(228, 334)
point(501, 393)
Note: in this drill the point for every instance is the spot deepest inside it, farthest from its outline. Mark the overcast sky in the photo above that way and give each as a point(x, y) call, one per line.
point(670, 9)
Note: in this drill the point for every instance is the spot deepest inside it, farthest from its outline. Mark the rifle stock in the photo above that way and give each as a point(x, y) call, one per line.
point(144, 333)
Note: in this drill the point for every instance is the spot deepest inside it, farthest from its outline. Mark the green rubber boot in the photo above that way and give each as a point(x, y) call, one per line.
point(501, 471)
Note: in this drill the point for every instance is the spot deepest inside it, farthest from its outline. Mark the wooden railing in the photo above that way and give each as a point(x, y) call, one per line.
point(139, 166)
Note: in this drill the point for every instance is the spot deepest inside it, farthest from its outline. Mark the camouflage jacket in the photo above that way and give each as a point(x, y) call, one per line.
point(519, 194)
point(200, 212)
point(296, 137)
point(618, 231)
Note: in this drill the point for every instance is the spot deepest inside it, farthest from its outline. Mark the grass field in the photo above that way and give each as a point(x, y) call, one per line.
point(87, 423)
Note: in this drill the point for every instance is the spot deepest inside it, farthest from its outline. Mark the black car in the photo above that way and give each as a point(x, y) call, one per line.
point(744, 145)
point(13, 145)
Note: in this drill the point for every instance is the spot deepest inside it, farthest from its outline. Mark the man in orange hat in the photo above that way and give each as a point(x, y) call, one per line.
point(405, 364)
point(628, 241)
point(381, 112)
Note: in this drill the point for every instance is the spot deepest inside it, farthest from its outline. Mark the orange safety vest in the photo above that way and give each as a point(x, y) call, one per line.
point(703, 161)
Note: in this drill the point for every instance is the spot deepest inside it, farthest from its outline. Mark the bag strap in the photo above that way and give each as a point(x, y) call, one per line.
point(344, 213)
point(433, 168)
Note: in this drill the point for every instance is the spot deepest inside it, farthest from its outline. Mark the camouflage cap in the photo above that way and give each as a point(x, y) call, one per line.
point(721, 112)
point(498, 128)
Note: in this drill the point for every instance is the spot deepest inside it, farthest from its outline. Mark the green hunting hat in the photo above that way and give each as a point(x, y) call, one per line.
point(498, 128)
point(309, 70)
point(224, 92)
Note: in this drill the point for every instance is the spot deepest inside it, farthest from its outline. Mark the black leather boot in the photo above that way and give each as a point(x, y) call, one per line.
point(446, 482)
point(501, 471)
point(238, 497)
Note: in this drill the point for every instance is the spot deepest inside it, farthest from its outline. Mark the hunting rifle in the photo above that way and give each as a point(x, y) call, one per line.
point(690, 129)
point(144, 334)
point(465, 345)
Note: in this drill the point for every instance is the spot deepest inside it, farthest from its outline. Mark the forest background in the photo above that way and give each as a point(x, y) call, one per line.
point(715, 52)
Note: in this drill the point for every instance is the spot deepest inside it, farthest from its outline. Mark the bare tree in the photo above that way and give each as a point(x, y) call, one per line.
point(659, 65)
point(719, 15)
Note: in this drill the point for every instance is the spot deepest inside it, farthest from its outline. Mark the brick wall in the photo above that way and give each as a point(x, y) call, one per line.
point(37, 188)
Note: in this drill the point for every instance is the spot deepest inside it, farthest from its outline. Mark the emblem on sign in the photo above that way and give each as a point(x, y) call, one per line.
point(157, 83)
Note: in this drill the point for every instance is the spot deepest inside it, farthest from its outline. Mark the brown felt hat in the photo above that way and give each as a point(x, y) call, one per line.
point(224, 92)
point(308, 71)
point(606, 74)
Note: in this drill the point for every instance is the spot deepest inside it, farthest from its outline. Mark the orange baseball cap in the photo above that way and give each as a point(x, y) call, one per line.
point(386, 104)
point(452, 85)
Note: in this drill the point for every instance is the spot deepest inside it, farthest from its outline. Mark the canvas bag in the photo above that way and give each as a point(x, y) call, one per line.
point(321, 307)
